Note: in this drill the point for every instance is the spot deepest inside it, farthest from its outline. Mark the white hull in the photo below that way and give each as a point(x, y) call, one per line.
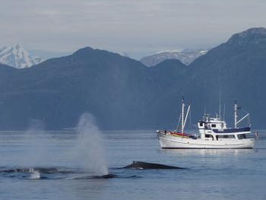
point(175, 142)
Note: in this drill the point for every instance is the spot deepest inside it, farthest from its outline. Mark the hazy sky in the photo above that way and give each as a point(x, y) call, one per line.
point(136, 27)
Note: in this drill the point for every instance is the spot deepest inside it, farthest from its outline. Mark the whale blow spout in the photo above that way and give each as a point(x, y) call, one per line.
point(88, 152)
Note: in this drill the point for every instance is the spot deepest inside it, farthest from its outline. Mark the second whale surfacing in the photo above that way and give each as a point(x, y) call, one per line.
point(146, 165)
point(139, 165)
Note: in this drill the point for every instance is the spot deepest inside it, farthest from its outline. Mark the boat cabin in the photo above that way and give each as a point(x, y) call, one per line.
point(212, 123)
point(213, 128)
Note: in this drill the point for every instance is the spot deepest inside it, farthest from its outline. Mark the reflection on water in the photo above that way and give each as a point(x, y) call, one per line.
point(208, 152)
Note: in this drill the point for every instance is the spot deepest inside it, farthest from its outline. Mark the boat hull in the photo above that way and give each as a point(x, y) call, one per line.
point(173, 142)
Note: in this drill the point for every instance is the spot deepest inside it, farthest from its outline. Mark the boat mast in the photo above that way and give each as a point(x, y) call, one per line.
point(235, 113)
point(220, 108)
point(236, 108)
point(185, 121)
point(182, 115)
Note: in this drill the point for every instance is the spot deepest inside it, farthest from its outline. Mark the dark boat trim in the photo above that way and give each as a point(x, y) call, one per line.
point(232, 130)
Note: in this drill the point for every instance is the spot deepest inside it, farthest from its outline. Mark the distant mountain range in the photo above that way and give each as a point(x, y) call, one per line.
point(16, 56)
point(122, 93)
point(186, 56)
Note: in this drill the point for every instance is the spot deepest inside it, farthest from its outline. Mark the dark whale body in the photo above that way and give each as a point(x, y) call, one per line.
point(50, 170)
point(106, 176)
point(146, 165)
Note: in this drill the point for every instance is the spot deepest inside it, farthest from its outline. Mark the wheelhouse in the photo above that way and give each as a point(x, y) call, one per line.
point(213, 128)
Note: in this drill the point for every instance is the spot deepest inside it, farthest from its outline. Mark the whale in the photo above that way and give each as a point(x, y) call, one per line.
point(147, 165)
point(46, 173)
point(105, 176)
point(49, 170)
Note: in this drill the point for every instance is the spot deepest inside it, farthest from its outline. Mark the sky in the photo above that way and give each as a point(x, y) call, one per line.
point(132, 27)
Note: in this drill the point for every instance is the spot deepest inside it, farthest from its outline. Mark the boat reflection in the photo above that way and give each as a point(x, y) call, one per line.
point(206, 152)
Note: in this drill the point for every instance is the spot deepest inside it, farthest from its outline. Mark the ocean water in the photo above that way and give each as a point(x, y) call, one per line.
point(50, 165)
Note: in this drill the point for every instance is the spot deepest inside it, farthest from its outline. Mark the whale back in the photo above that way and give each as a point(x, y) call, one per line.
point(146, 165)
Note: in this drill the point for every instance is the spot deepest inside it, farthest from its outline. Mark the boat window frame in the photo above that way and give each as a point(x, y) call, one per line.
point(209, 136)
point(213, 126)
point(218, 137)
point(242, 136)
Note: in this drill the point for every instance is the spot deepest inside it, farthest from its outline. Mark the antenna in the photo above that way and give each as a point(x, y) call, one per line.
point(220, 101)
point(224, 113)
point(204, 111)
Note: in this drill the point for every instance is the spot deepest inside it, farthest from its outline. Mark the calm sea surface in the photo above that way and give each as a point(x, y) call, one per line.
point(41, 166)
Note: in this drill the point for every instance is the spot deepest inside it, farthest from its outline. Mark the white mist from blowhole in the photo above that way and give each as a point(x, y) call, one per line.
point(88, 152)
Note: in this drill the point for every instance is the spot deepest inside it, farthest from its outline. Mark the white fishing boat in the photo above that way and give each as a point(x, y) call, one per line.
point(213, 134)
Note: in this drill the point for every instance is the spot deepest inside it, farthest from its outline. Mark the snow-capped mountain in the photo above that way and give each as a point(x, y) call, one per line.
point(16, 56)
point(185, 56)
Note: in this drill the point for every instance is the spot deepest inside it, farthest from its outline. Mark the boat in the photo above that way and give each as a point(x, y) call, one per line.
point(213, 133)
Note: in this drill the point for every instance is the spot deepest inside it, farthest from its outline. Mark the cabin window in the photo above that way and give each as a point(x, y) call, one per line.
point(213, 125)
point(201, 123)
point(241, 136)
point(225, 136)
point(209, 136)
point(207, 126)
